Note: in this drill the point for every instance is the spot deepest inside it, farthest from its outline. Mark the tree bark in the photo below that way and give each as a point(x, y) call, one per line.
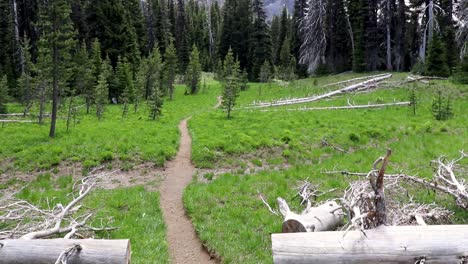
point(48, 251)
point(386, 244)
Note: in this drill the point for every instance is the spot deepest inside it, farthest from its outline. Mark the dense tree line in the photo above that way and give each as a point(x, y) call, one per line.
point(130, 51)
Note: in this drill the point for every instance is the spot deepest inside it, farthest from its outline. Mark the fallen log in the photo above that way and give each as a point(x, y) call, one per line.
point(348, 107)
point(17, 121)
point(355, 79)
point(443, 244)
point(321, 218)
point(47, 251)
point(354, 87)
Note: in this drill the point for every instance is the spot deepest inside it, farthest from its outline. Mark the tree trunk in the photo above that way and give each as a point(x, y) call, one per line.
point(55, 91)
point(14, 9)
point(386, 244)
point(389, 37)
point(325, 217)
point(48, 251)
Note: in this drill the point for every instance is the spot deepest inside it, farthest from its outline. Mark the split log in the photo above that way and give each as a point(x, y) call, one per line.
point(325, 217)
point(392, 244)
point(369, 84)
point(47, 251)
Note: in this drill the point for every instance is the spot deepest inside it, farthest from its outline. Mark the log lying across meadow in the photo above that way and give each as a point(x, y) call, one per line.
point(47, 251)
point(442, 244)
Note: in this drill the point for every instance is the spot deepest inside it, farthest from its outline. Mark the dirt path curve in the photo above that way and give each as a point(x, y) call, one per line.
point(184, 246)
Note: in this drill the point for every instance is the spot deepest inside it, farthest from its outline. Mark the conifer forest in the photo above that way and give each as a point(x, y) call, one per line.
point(233, 131)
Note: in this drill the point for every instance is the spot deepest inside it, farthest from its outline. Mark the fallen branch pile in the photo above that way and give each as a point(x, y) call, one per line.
point(381, 215)
point(31, 222)
point(366, 85)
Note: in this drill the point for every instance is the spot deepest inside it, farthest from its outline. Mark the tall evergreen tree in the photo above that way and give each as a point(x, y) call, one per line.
point(155, 100)
point(43, 78)
point(170, 69)
point(231, 83)
point(57, 28)
point(274, 32)
point(181, 36)
point(461, 73)
point(284, 31)
point(25, 82)
point(3, 94)
point(436, 63)
point(193, 75)
point(236, 31)
point(337, 53)
point(140, 84)
point(102, 89)
point(83, 79)
point(261, 42)
point(300, 8)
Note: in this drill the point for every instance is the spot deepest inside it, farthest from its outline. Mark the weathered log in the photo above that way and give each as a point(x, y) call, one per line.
point(355, 79)
point(48, 251)
point(392, 244)
point(369, 84)
point(17, 121)
point(322, 218)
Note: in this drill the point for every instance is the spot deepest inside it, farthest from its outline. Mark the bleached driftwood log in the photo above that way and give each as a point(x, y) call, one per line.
point(386, 244)
point(350, 107)
point(48, 251)
point(355, 79)
point(17, 121)
point(369, 84)
point(313, 219)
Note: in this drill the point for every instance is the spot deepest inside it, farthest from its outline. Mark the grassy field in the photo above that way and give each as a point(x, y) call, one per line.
point(114, 142)
point(228, 213)
point(287, 145)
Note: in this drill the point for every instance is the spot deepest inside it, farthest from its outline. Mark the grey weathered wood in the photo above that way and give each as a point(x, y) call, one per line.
point(324, 217)
point(399, 244)
point(47, 251)
point(17, 121)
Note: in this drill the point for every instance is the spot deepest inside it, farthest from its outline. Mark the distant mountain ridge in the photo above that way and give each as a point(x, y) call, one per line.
point(274, 7)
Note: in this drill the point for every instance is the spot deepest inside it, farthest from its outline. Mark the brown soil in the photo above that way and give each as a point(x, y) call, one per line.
point(184, 246)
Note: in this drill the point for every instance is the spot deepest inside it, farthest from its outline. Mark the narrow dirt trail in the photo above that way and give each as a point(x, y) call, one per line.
point(184, 246)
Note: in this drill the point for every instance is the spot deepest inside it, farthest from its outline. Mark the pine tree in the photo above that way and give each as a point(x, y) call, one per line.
point(261, 42)
point(274, 32)
point(265, 73)
point(25, 82)
point(155, 103)
point(436, 62)
point(284, 31)
point(83, 78)
point(461, 74)
point(96, 57)
point(128, 93)
point(300, 8)
point(102, 89)
point(170, 69)
point(153, 78)
point(57, 29)
point(231, 84)
point(3, 94)
point(236, 31)
point(193, 75)
point(43, 78)
point(140, 84)
point(181, 36)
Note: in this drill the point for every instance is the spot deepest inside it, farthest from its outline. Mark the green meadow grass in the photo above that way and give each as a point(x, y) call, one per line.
point(134, 139)
point(228, 213)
